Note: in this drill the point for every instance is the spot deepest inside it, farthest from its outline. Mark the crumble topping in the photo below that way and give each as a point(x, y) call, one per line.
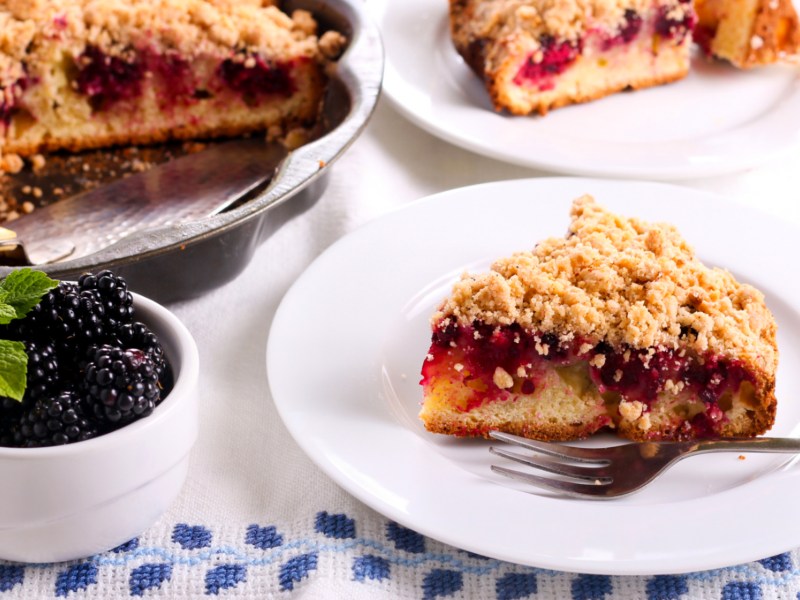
point(502, 379)
point(190, 27)
point(560, 18)
point(623, 281)
point(631, 411)
point(332, 44)
point(526, 24)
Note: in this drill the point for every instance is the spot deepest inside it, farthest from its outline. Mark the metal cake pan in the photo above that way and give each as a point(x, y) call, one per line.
point(185, 261)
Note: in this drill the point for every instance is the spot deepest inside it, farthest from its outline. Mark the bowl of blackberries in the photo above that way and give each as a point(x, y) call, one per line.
point(98, 414)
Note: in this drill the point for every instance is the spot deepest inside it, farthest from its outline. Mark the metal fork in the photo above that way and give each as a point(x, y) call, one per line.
point(615, 471)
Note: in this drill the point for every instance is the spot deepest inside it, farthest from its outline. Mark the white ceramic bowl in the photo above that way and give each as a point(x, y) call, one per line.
point(72, 501)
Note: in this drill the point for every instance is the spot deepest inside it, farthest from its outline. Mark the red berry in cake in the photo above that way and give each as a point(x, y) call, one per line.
point(252, 77)
point(675, 23)
point(631, 26)
point(8, 99)
point(106, 79)
point(6, 107)
point(552, 59)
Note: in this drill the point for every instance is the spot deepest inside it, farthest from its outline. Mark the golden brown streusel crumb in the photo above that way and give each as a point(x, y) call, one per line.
point(304, 22)
point(624, 281)
point(11, 163)
point(38, 162)
point(562, 18)
point(296, 138)
point(192, 27)
point(332, 44)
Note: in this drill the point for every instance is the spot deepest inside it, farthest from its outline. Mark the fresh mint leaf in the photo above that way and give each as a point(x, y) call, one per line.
point(7, 313)
point(13, 369)
point(20, 291)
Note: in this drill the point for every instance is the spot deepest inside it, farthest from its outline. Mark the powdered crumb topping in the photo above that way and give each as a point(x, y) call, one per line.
point(623, 281)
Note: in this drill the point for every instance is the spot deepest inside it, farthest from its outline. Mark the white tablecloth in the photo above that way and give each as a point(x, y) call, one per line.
point(258, 519)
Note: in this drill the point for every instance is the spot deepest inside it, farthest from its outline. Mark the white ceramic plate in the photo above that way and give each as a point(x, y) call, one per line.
point(349, 338)
point(718, 120)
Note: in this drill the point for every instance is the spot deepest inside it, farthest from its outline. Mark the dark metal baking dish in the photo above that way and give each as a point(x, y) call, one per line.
point(187, 260)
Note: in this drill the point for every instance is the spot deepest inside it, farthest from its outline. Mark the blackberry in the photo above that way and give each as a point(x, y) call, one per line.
point(112, 291)
point(52, 421)
point(44, 377)
point(121, 385)
point(43, 380)
point(70, 318)
point(10, 413)
point(91, 367)
point(137, 335)
point(54, 317)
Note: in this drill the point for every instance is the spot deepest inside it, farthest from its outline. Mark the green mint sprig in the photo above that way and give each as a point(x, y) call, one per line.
point(20, 291)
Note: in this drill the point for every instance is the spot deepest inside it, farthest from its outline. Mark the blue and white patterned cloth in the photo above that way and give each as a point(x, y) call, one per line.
point(336, 555)
point(257, 519)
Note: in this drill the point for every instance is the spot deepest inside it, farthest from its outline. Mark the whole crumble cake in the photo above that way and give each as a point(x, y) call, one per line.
point(616, 326)
point(535, 55)
point(78, 74)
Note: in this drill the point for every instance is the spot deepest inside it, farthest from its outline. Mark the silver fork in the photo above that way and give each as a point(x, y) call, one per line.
point(615, 471)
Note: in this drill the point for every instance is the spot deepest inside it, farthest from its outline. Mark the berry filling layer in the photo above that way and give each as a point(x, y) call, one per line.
point(553, 57)
point(551, 60)
point(254, 78)
point(8, 100)
point(107, 79)
point(630, 28)
point(500, 364)
point(675, 23)
point(6, 107)
point(110, 80)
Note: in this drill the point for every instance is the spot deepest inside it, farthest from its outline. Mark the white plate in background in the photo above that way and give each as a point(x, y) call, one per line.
point(718, 120)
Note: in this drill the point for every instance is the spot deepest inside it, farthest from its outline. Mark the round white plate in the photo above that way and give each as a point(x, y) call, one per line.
point(348, 341)
point(717, 120)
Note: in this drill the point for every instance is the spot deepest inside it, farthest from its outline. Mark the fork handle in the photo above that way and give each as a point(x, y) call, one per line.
point(763, 444)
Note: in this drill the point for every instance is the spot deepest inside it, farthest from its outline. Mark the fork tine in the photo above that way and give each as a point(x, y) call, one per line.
point(557, 450)
point(568, 488)
point(592, 474)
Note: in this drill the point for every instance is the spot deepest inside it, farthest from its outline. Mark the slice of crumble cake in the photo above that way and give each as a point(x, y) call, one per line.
point(618, 325)
point(748, 33)
point(78, 74)
point(535, 55)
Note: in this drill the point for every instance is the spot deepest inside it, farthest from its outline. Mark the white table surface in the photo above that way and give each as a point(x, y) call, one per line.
point(258, 519)
point(391, 164)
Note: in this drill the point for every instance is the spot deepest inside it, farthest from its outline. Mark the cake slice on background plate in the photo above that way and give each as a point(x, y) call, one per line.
point(535, 55)
point(748, 33)
point(616, 326)
point(78, 74)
